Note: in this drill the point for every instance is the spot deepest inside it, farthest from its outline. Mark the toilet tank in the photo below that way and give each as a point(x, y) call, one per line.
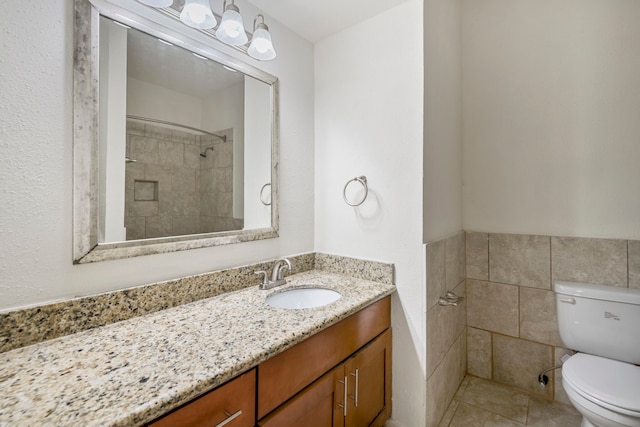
point(600, 320)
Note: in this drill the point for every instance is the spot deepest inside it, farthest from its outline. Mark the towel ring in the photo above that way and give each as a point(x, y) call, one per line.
point(268, 184)
point(362, 180)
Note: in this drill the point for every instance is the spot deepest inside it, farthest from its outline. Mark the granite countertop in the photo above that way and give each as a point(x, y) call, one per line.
point(134, 371)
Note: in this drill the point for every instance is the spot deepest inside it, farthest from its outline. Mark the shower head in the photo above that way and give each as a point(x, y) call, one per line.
point(204, 153)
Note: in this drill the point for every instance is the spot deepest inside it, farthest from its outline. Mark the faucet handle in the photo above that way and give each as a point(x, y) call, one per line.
point(264, 276)
point(281, 267)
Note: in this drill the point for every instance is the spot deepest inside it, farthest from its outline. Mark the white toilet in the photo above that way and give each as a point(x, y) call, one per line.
point(603, 324)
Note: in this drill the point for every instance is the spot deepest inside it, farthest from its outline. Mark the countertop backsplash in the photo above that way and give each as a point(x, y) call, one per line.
point(26, 326)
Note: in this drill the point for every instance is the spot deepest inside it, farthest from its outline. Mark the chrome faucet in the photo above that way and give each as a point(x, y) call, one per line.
point(277, 274)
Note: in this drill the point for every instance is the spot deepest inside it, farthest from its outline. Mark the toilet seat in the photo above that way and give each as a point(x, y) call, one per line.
point(609, 383)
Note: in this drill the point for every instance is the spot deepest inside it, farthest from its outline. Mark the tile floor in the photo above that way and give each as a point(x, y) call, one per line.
point(482, 403)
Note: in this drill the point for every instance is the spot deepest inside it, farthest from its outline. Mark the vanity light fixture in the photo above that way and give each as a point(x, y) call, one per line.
point(261, 46)
point(231, 31)
point(198, 14)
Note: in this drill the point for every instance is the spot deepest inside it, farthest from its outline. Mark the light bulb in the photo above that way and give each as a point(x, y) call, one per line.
point(197, 14)
point(261, 46)
point(231, 29)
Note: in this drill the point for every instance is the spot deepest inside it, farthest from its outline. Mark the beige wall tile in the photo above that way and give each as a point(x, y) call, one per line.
point(443, 384)
point(493, 307)
point(518, 362)
point(477, 255)
point(144, 208)
point(445, 324)
point(224, 155)
point(157, 132)
point(135, 128)
point(144, 149)
point(135, 227)
point(183, 137)
point(159, 226)
point(558, 390)
point(170, 153)
point(192, 156)
point(598, 261)
point(634, 264)
point(436, 276)
point(520, 260)
point(538, 318)
point(454, 260)
point(479, 353)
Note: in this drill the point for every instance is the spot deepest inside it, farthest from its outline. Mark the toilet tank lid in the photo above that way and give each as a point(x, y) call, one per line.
point(600, 292)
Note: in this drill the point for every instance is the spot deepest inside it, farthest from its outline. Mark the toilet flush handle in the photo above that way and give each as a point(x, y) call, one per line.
point(567, 300)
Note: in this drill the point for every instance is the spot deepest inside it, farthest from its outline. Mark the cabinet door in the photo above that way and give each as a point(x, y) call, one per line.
point(315, 406)
point(231, 405)
point(287, 373)
point(369, 384)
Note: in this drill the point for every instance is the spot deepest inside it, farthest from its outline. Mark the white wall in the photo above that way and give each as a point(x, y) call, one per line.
point(113, 105)
point(258, 99)
point(442, 119)
point(36, 159)
point(369, 122)
point(149, 100)
point(224, 109)
point(551, 117)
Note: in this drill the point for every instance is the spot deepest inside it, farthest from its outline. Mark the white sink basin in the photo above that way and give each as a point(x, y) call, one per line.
point(303, 298)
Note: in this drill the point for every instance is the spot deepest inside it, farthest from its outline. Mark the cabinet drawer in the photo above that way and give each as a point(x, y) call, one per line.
point(235, 399)
point(282, 376)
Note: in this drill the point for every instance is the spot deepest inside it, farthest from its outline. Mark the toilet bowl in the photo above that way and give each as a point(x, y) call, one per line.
point(606, 392)
point(603, 380)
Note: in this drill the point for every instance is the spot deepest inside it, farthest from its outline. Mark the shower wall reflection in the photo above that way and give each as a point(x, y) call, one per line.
point(178, 182)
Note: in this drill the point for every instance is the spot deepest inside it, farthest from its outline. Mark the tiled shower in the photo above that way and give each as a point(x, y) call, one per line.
point(171, 188)
point(506, 329)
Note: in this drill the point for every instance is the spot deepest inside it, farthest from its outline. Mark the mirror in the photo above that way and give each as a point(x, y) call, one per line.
point(175, 143)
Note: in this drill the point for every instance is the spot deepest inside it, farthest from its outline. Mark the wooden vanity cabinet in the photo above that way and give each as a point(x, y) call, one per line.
point(316, 373)
point(362, 383)
point(232, 404)
point(368, 376)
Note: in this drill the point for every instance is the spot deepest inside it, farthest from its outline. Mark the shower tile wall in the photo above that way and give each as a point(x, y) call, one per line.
point(512, 331)
point(171, 190)
point(446, 326)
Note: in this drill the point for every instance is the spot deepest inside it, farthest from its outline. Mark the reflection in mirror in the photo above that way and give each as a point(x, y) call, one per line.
point(186, 149)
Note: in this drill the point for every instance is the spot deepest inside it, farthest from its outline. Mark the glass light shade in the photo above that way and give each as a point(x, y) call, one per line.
point(157, 3)
point(261, 46)
point(231, 29)
point(198, 14)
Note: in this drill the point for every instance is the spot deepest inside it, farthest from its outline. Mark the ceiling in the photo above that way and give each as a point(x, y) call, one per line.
point(315, 20)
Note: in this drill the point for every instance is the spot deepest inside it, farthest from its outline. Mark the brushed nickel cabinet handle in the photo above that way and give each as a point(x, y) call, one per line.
point(355, 398)
point(230, 417)
point(343, 405)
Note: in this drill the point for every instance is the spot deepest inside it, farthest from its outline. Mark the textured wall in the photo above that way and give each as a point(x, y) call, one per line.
point(551, 94)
